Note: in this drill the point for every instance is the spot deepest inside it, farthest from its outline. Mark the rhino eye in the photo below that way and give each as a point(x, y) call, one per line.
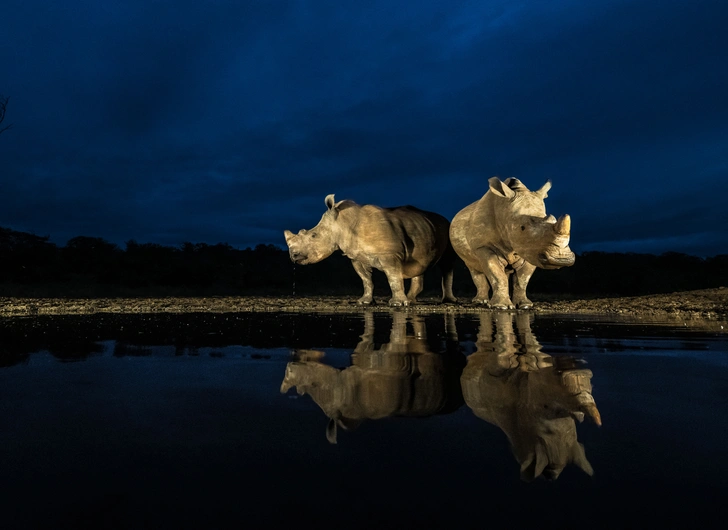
point(313, 235)
point(523, 228)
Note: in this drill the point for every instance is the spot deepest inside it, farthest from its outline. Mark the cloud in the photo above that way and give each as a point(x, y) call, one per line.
point(230, 121)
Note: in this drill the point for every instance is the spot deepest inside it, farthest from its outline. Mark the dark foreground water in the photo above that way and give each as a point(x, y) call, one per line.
point(360, 421)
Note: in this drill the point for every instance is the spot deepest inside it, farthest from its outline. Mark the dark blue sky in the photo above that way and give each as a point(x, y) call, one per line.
point(229, 121)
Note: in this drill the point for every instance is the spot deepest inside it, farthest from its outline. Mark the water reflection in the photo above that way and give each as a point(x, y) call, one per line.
point(402, 365)
point(400, 378)
point(534, 398)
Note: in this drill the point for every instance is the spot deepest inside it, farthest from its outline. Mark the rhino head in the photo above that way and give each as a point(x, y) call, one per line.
point(540, 239)
point(318, 243)
point(549, 448)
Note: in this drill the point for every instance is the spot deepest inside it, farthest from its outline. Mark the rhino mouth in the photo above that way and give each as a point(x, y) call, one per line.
point(556, 260)
point(298, 258)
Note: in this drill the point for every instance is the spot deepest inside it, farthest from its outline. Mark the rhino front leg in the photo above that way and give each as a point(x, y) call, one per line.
point(365, 273)
point(416, 286)
point(520, 281)
point(481, 283)
point(495, 270)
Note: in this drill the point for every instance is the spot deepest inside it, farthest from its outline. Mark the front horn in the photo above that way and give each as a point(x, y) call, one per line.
point(563, 225)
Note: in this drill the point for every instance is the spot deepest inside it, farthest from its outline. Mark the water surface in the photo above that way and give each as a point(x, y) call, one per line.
point(373, 420)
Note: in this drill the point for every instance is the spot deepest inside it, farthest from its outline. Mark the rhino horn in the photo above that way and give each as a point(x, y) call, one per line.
point(592, 411)
point(563, 225)
point(588, 406)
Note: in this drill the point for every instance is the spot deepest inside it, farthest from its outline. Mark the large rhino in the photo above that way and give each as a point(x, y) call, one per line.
point(401, 378)
point(535, 399)
point(506, 231)
point(402, 242)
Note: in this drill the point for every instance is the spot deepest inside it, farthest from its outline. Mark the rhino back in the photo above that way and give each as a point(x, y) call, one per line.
point(407, 232)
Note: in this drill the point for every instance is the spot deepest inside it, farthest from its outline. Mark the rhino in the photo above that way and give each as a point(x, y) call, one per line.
point(403, 242)
point(534, 398)
point(507, 231)
point(401, 378)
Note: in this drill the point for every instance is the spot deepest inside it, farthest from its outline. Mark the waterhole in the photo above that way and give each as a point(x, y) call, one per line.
point(359, 420)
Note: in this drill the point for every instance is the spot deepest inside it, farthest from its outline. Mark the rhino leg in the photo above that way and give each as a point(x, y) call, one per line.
point(393, 270)
point(416, 286)
point(365, 273)
point(481, 283)
point(520, 281)
point(447, 268)
point(494, 267)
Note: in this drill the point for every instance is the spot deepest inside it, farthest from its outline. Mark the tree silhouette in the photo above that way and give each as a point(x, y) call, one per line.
point(91, 266)
point(3, 106)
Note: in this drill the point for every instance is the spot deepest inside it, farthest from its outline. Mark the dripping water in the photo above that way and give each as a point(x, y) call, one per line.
point(294, 279)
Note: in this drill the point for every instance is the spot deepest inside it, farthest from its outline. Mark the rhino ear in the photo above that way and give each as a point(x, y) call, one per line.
point(535, 463)
point(515, 184)
point(543, 191)
point(331, 431)
point(500, 188)
point(542, 460)
point(579, 458)
point(331, 205)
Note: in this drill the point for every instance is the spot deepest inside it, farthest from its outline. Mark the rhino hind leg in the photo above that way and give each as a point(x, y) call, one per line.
point(393, 270)
point(416, 285)
point(365, 273)
point(447, 268)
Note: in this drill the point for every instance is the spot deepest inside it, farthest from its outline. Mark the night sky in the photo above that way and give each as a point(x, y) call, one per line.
point(230, 121)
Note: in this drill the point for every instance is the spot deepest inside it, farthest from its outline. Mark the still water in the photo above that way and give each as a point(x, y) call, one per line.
point(373, 420)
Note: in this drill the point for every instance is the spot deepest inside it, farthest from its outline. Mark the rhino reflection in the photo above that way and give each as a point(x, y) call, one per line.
point(402, 378)
point(534, 398)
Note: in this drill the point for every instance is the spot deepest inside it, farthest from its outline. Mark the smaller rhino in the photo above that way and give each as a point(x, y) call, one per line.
point(402, 242)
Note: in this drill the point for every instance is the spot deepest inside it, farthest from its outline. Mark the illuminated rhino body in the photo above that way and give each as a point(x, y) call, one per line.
point(401, 378)
point(506, 231)
point(402, 242)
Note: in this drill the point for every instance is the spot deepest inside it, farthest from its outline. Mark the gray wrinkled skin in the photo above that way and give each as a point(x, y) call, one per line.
point(402, 242)
point(507, 231)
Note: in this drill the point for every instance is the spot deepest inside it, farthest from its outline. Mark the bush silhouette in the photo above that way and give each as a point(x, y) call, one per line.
point(30, 265)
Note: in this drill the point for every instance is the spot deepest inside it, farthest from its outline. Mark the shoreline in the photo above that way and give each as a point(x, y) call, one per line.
point(704, 304)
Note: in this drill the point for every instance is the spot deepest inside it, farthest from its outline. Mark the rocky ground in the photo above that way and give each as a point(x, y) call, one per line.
point(705, 304)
